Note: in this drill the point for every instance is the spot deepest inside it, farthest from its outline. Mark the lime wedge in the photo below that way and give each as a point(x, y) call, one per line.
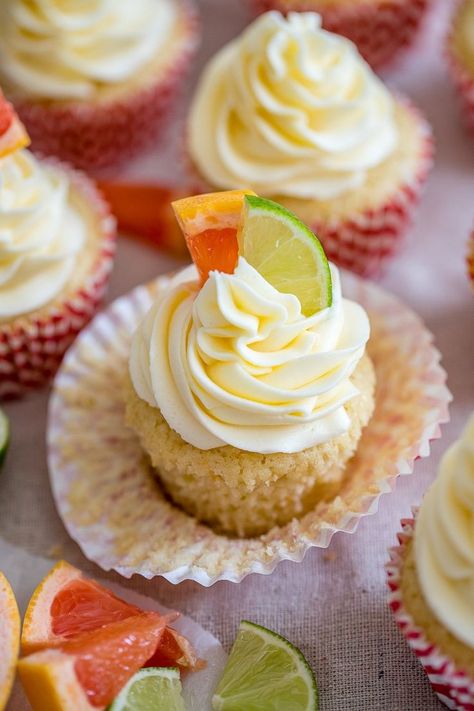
point(152, 689)
point(285, 252)
point(265, 672)
point(4, 435)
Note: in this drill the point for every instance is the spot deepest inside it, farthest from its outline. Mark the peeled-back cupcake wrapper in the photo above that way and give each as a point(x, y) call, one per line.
point(380, 30)
point(463, 81)
point(112, 505)
point(453, 687)
point(99, 135)
point(32, 348)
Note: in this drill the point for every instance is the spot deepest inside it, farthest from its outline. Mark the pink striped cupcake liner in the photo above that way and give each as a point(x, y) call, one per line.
point(454, 687)
point(462, 78)
point(31, 348)
point(380, 30)
point(112, 505)
point(101, 135)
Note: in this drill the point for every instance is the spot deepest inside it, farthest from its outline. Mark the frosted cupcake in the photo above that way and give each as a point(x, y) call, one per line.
point(249, 393)
point(461, 57)
point(295, 113)
point(55, 258)
point(431, 576)
point(94, 83)
point(379, 28)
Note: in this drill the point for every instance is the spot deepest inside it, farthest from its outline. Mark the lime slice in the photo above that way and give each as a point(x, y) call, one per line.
point(152, 689)
point(265, 672)
point(285, 252)
point(4, 435)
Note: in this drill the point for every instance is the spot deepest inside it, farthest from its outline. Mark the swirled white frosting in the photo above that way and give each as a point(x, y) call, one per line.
point(290, 109)
point(40, 234)
point(64, 50)
point(237, 363)
point(444, 540)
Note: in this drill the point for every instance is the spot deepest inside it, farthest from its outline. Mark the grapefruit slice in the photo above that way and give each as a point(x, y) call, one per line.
point(91, 669)
point(209, 224)
point(9, 639)
point(13, 135)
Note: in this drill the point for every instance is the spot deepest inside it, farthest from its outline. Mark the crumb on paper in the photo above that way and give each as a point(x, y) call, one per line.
point(329, 556)
point(55, 551)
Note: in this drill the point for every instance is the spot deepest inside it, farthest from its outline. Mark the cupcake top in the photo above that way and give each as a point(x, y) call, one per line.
point(237, 362)
point(444, 540)
point(290, 109)
point(50, 49)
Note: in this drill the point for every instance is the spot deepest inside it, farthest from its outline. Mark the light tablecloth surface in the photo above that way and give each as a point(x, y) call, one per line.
point(334, 604)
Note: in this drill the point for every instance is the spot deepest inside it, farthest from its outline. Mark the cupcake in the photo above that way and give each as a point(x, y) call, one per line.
point(248, 394)
point(470, 258)
point(379, 28)
point(294, 112)
point(94, 83)
point(431, 575)
point(460, 50)
point(56, 256)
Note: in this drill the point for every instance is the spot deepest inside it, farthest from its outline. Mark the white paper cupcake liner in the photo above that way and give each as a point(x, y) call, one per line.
point(109, 499)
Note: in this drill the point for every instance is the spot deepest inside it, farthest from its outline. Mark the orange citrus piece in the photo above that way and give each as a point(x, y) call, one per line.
point(209, 224)
point(13, 135)
point(103, 661)
point(9, 639)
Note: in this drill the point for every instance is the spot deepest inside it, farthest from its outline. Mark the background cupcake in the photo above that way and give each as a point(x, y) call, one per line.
point(379, 28)
point(460, 49)
point(56, 255)
point(431, 575)
point(470, 258)
point(294, 113)
point(94, 83)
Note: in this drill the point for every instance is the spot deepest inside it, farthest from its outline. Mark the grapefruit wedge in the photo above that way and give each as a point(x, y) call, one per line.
point(82, 643)
point(209, 224)
point(9, 639)
point(13, 135)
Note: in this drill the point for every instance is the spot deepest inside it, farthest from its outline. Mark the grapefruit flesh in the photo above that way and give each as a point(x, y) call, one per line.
point(209, 224)
point(9, 639)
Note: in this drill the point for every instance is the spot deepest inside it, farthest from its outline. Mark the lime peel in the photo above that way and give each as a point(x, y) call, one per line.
point(285, 252)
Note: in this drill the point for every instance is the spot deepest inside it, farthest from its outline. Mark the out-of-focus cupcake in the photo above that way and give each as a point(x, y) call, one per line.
point(296, 114)
point(56, 255)
point(379, 28)
point(460, 50)
point(470, 258)
point(248, 402)
point(94, 82)
point(431, 575)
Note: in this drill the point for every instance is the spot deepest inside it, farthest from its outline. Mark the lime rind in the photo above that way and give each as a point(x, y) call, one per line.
point(135, 696)
point(4, 435)
point(286, 677)
point(285, 252)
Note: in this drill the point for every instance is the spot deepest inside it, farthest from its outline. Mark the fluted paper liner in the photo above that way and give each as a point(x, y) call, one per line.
point(461, 75)
point(381, 31)
point(453, 686)
point(113, 507)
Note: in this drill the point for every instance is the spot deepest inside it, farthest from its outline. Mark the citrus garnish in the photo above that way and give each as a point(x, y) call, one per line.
point(157, 688)
point(209, 224)
point(285, 252)
point(265, 672)
point(9, 639)
point(13, 135)
point(4, 435)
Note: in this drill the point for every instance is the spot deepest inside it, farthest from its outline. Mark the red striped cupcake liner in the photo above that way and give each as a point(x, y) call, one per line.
point(462, 78)
point(31, 348)
point(454, 687)
point(100, 135)
point(380, 30)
